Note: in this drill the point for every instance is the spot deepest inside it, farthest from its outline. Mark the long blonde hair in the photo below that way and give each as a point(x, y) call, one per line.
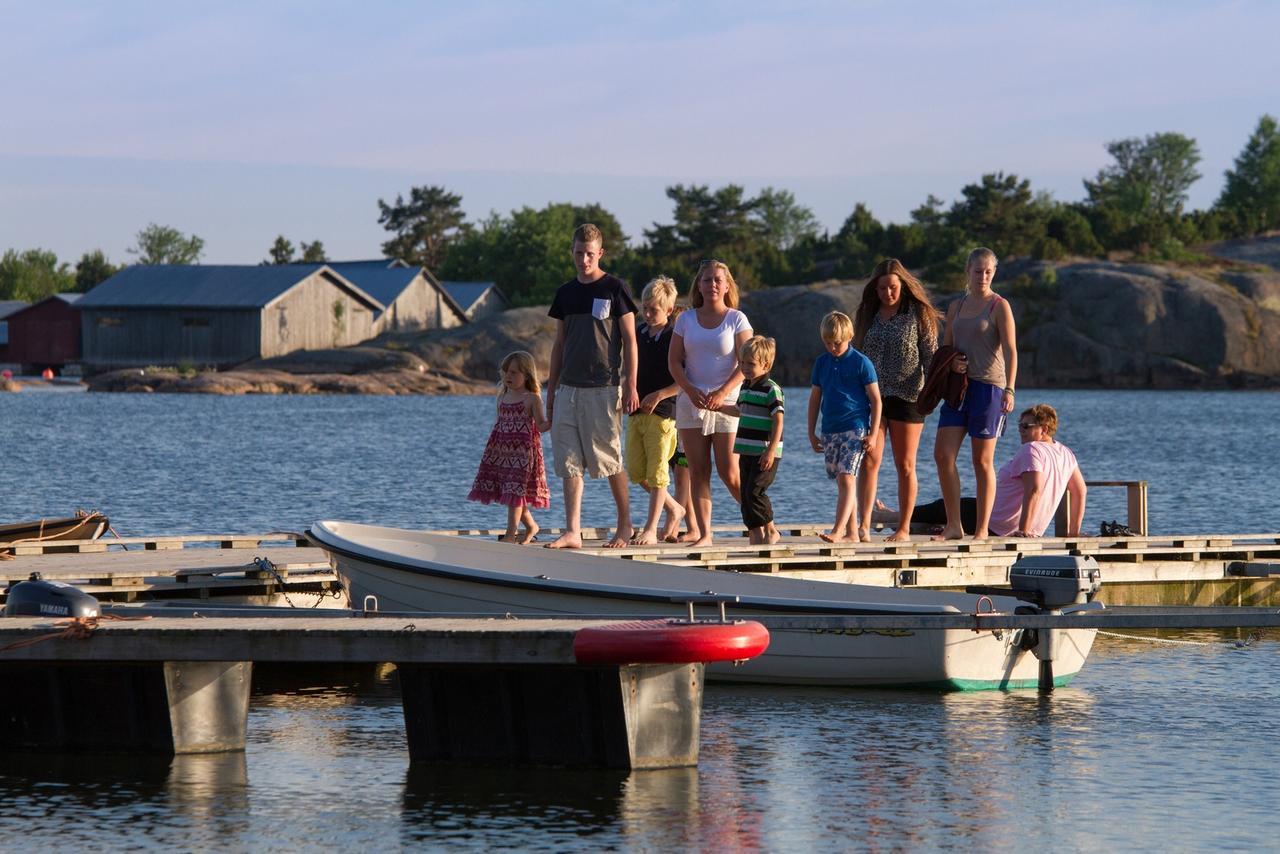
point(524, 361)
point(730, 296)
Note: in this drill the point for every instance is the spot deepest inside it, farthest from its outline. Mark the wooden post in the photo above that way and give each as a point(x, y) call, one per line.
point(1135, 500)
point(1136, 496)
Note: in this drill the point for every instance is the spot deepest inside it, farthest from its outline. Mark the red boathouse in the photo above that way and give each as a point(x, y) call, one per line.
point(46, 334)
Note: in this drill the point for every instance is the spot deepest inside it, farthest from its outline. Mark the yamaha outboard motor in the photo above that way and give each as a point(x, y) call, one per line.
point(36, 597)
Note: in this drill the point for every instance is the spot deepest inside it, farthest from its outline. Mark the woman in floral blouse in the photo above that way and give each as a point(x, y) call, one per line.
point(897, 328)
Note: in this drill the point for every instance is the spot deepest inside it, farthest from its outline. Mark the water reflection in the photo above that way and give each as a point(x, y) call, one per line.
point(92, 799)
point(505, 806)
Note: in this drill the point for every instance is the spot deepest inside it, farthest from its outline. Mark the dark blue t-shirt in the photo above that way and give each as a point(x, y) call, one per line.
point(592, 334)
point(843, 381)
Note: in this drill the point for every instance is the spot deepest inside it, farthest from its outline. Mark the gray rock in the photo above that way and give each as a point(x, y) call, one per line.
point(791, 316)
point(1144, 326)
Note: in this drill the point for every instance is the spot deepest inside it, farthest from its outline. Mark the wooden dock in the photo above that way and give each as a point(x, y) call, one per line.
point(1192, 569)
point(283, 569)
point(261, 569)
point(479, 690)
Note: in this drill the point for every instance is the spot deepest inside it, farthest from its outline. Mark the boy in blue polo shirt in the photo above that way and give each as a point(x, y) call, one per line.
point(845, 390)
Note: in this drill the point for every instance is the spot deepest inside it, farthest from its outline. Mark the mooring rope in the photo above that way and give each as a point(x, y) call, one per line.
point(1253, 636)
point(75, 628)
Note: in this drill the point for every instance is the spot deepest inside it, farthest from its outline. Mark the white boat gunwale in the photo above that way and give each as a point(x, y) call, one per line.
point(643, 594)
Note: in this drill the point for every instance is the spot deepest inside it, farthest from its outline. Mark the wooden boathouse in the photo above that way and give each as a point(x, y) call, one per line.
point(412, 297)
point(211, 315)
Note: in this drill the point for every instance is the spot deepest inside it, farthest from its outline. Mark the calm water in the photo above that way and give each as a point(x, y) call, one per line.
point(165, 464)
point(1154, 747)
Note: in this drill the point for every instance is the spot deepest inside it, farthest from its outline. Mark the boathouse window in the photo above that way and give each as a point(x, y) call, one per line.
point(110, 321)
point(195, 321)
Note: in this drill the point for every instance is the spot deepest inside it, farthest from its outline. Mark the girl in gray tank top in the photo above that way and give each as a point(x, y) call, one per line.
point(978, 338)
point(981, 326)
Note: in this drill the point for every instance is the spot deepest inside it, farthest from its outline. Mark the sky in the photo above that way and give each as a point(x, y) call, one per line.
point(240, 121)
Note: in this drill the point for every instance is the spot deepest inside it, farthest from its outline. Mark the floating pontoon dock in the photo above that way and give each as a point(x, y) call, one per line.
point(480, 690)
point(262, 569)
point(1192, 569)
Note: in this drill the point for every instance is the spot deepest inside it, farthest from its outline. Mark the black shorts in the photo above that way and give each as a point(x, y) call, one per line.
point(897, 409)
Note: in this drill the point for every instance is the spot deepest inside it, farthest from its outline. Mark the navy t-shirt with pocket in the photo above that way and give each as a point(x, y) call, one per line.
point(592, 335)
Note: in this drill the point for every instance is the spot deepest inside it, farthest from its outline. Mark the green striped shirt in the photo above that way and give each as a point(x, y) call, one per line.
point(757, 401)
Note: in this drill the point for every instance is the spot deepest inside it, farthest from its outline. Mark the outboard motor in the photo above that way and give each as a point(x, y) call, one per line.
point(36, 597)
point(1050, 583)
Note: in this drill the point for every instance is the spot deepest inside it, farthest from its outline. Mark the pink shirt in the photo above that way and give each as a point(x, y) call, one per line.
point(1056, 464)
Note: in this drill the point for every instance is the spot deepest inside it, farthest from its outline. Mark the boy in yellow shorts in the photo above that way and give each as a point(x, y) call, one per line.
point(651, 430)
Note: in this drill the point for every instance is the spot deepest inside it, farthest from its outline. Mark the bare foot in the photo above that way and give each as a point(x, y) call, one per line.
point(864, 535)
point(689, 537)
point(567, 540)
point(508, 537)
point(621, 538)
point(899, 536)
point(979, 535)
point(880, 505)
point(673, 525)
point(841, 538)
point(704, 541)
point(530, 534)
point(645, 538)
point(774, 535)
point(949, 534)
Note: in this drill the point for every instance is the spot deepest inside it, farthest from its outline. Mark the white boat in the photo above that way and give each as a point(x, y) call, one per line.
point(438, 573)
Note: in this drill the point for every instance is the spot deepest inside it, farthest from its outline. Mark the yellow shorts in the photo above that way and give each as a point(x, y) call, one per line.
point(651, 440)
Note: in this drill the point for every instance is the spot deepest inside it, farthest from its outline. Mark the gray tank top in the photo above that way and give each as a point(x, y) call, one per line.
point(979, 339)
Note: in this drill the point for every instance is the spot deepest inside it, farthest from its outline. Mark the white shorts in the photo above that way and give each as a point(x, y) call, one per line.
point(689, 417)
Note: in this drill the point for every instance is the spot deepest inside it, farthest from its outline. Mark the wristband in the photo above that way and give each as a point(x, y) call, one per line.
point(1009, 391)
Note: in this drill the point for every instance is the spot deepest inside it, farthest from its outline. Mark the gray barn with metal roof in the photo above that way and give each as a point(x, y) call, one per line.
point(413, 298)
point(478, 299)
point(221, 315)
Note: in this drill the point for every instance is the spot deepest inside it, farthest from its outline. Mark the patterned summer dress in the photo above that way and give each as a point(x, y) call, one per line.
point(511, 469)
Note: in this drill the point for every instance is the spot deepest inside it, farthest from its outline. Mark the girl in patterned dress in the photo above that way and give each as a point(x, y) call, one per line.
point(511, 468)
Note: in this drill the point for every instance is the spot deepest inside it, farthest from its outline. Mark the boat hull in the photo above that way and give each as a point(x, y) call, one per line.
point(89, 526)
point(434, 579)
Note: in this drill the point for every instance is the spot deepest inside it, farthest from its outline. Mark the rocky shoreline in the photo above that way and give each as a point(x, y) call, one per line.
point(1081, 324)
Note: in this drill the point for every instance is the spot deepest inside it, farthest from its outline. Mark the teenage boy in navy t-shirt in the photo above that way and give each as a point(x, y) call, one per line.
point(591, 382)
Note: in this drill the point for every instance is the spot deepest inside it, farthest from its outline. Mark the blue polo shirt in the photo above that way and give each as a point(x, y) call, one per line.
point(843, 381)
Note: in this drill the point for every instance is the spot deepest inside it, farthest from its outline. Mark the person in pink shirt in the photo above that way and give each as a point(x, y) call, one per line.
point(1029, 487)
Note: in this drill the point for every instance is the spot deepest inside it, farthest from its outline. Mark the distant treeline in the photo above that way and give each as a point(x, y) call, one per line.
point(1134, 205)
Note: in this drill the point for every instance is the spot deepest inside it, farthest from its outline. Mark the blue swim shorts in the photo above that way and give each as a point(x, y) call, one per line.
point(843, 452)
point(981, 413)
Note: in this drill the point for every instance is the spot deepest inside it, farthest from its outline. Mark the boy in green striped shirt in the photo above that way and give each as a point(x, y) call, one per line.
point(759, 443)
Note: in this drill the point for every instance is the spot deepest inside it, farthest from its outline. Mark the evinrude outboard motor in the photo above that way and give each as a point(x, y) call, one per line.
point(36, 597)
point(1050, 583)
